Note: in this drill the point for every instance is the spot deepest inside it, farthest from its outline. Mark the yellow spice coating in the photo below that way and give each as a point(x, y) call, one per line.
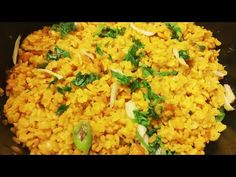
point(192, 98)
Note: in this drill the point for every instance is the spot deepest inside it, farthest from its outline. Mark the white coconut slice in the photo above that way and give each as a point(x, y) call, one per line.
point(114, 89)
point(58, 76)
point(219, 73)
point(141, 130)
point(227, 105)
point(130, 107)
point(181, 60)
point(144, 32)
point(160, 151)
point(229, 94)
point(16, 49)
point(117, 70)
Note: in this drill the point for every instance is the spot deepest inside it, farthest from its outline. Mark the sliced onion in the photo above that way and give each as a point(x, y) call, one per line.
point(219, 73)
point(229, 94)
point(114, 89)
point(130, 107)
point(58, 76)
point(141, 130)
point(181, 60)
point(144, 32)
point(16, 49)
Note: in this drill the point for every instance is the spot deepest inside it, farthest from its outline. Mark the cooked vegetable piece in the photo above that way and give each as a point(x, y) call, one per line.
point(82, 136)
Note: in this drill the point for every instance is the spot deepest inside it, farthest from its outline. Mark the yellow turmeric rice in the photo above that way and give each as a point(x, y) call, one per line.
point(144, 88)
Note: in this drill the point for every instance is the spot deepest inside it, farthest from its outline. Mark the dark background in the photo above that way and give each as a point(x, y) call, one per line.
point(225, 32)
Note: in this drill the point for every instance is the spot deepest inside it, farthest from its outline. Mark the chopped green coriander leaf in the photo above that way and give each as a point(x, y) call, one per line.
point(125, 80)
point(184, 54)
point(132, 55)
point(135, 85)
point(110, 57)
point(99, 50)
point(151, 131)
point(64, 28)
point(53, 82)
point(59, 54)
point(147, 71)
point(62, 90)
point(110, 32)
point(81, 80)
point(141, 118)
point(175, 29)
point(221, 116)
point(152, 112)
point(62, 109)
point(155, 145)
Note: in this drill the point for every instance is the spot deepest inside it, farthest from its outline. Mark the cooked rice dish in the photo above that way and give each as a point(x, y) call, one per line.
point(117, 88)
